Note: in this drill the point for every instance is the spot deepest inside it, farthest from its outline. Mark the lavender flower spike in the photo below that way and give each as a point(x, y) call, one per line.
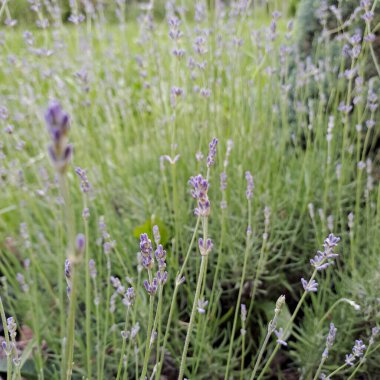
point(199, 192)
point(324, 259)
point(250, 185)
point(329, 340)
point(212, 152)
point(58, 124)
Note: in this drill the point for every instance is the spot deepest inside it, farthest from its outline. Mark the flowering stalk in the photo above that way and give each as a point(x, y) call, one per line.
point(375, 333)
point(149, 332)
point(7, 346)
point(60, 152)
point(199, 192)
point(248, 247)
point(179, 281)
point(320, 262)
point(329, 343)
point(85, 188)
point(271, 328)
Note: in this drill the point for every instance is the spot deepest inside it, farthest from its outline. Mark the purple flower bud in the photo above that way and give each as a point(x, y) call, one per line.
point(80, 244)
point(156, 235)
point(250, 185)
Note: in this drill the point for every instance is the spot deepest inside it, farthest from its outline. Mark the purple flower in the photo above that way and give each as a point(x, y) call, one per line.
point(329, 340)
point(129, 297)
point(152, 287)
point(324, 259)
point(223, 181)
point(92, 267)
point(205, 247)
point(311, 286)
point(85, 184)
point(358, 348)
point(12, 327)
point(250, 185)
point(202, 306)
point(156, 234)
point(212, 152)
point(350, 359)
point(58, 125)
point(199, 192)
point(80, 244)
point(280, 335)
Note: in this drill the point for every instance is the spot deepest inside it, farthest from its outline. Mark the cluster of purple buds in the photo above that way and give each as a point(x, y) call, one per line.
point(212, 152)
point(329, 340)
point(199, 192)
point(12, 327)
point(151, 287)
point(205, 247)
point(174, 31)
point(85, 185)
point(68, 276)
point(250, 185)
point(58, 125)
point(160, 254)
point(326, 258)
point(146, 250)
point(92, 269)
point(357, 352)
point(129, 297)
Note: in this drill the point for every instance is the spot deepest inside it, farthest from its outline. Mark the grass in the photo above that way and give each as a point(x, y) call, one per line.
point(123, 119)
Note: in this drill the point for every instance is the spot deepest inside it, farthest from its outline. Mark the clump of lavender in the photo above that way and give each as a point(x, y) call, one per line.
point(58, 125)
point(320, 262)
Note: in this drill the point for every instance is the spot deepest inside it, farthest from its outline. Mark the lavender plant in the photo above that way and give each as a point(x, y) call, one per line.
point(147, 86)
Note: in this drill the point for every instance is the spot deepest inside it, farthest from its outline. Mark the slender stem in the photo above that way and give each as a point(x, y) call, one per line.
point(88, 297)
point(286, 330)
point(242, 351)
point(192, 317)
point(337, 370)
point(70, 226)
point(316, 376)
point(237, 308)
point(261, 353)
point(149, 333)
point(123, 347)
point(6, 335)
point(174, 297)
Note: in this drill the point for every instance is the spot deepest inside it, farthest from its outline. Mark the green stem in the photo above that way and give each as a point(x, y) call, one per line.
point(337, 370)
point(286, 330)
point(6, 335)
point(192, 317)
point(123, 347)
point(261, 353)
point(316, 376)
point(174, 297)
point(149, 332)
point(88, 298)
point(237, 308)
